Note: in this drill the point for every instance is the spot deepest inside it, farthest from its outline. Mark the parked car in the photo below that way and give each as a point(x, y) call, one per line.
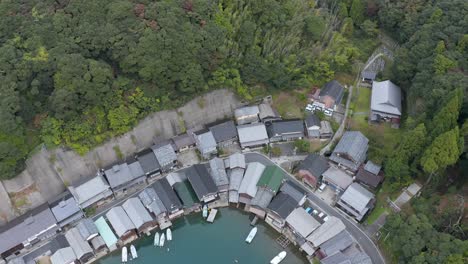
point(325, 219)
point(322, 187)
point(315, 212)
point(309, 107)
point(321, 215)
point(308, 210)
point(328, 112)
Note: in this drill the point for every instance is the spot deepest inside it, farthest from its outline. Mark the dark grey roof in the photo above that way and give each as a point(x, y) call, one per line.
point(312, 120)
point(315, 164)
point(333, 89)
point(57, 243)
point(201, 181)
point(337, 243)
point(285, 126)
point(262, 198)
point(135, 169)
point(293, 190)
point(224, 131)
point(354, 144)
point(368, 75)
point(121, 174)
point(64, 206)
point(368, 178)
point(218, 172)
point(26, 226)
point(148, 162)
point(282, 204)
point(167, 194)
point(165, 154)
point(183, 141)
point(266, 111)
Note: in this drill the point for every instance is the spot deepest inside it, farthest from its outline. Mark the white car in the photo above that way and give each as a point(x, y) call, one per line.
point(321, 215)
point(322, 187)
point(315, 212)
point(328, 112)
point(325, 219)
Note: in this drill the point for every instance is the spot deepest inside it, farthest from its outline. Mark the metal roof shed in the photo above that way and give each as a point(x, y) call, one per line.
point(106, 232)
point(271, 178)
point(249, 182)
point(252, 135)
point(137, 213)
point(63, 256)
point(120, 221)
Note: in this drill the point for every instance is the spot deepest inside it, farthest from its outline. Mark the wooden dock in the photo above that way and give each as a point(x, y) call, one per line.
point(283, 241)
point(212, 215)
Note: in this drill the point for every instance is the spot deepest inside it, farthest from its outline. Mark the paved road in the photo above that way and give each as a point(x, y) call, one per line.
point(353, 228)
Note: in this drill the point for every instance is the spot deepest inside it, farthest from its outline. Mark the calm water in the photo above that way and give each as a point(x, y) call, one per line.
point(196, 241)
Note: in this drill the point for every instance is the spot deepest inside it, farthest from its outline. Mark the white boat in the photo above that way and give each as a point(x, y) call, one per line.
point(124, 254)
point(278, 258)
point(205, 211)
point(251, 235)
point(133, 251)
point(161, 241)
point(169, 234)
point(156, 239)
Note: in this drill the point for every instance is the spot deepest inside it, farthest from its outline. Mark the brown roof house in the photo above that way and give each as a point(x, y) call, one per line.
point(312, 168)
point(331, 94)
point(370, 175)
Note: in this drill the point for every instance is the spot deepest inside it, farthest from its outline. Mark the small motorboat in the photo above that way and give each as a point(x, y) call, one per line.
point(133, 251)
point(124, 255)
point(169, 234)
point(205, 211)
point(162, 240)
point(278, 258)
point(251, 235)
point(156, 239)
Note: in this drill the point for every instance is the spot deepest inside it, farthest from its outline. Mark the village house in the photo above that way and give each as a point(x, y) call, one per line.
point(219, 175)
point(248, 187)
point(225, 133)
point(370, 175)
point(124, 177)
point(87, 229)
point(252, 135)
point(63, 256)
point(246, 115)
point(351, 151)
point(138, 214)
point(326, 130)
point(329, 229)
point(337, 179)
point(338, 243)
point(27, 230)
point(331, 94)
point(301, 225)
point(92, 192)
point(312, 168)
point(385, 102)
point(168, 197)
point(80, 246)
point(312, 124)
point(149, 163)
point(150, 199)
point(121, 224)
point(267, 113)
point(183, 142)
point(206, 143)
point(295, 191)
point(356, 201)
point(166, 156)
point(65, 209)
point(202, 183)
point(106, 233)
point(285, 130)
point(267, 187)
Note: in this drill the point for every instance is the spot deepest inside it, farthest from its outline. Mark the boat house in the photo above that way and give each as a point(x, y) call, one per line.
point(137, 213)
point(202, 183)
point(121, 223)
point(106, 233)
point(219, 175)
point(248, 187)
point(80, 246)
point(267, 187)
point(169, 198)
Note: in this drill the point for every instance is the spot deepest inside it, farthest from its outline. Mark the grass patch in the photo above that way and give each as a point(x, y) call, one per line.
point(118, 152)
point(18, 203)
point(378, 210)
point(291, 104)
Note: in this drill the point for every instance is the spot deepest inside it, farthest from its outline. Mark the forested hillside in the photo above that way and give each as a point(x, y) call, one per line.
point(79, 72)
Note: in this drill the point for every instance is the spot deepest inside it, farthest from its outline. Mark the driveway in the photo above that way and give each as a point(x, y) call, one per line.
point(364, 241)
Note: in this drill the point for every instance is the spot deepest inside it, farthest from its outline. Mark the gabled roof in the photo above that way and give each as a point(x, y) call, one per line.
point(312, 120)
point(148, 162)
point(79, 245)
point(224, 131)
point(167, 195)
point(25, 226)
point(201, 181)
point(292, 189)
point(337, 177)
point(279, 128)
point(282, 204)
point(218, 172)
point(63, 256)
point(165, 154)
point(386, 97)
point(136, 170)
point(372, 167)
point(325, 127)
point(237, 160)
point(118, 175)
point(235, 178)
point(64, 206)
point(151, 200)
point(87, 228)
point(262, 198)
point(106, 232)
point(266, 111)
point(271, 178)
point(332, 227)
point(251, 176)
point(302, 222)
point(252, 132)
point(136, 212)
point(357, 197)
point(315, 164)
point(206, 140)
point(333, 89)
point(368, 178)
point(338, 243)
point(246, 111)
point(91, 188)
point(119, 220)
point(183, 141)
point(186, 193)
point(354, 144)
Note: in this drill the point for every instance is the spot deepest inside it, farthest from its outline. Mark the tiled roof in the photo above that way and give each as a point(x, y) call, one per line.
point(293, 189)
point(333, 89)
point(165, 154)
point(136, 212)
point(312, 120)
point(302, 222)
point(167, 195)
point(218, 172)
point(148, 162)
point(262, 198)
point(119, 220)
point(282, 204)
point(357, 197)
point(65, 206)
point(282, 127)
point(252, 132)
point(79, 245)
point(224, 131)
point(332, 227)
point(201, 181)
point(183, 141)
point(315, 164)
point(386, 97)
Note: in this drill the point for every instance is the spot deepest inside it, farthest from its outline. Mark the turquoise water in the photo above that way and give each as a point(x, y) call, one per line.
point(196, 241)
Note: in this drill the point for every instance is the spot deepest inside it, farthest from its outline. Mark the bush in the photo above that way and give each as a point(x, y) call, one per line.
point(276, 151)
point(302, 145)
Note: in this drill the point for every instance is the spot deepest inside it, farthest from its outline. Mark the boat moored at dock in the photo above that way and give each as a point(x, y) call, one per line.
point(251, 235)
point(133, 252)
point(156, 239)
point(205, 211)
point(124, 255)
point(278, 258)
point(169, 234)
point(162, 240)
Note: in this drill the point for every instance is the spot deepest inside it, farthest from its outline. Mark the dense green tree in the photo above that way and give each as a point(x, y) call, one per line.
point(356, 12)
point(443, 151)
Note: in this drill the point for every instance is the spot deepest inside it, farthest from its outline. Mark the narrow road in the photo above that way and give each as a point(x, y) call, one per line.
point(352, 227)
